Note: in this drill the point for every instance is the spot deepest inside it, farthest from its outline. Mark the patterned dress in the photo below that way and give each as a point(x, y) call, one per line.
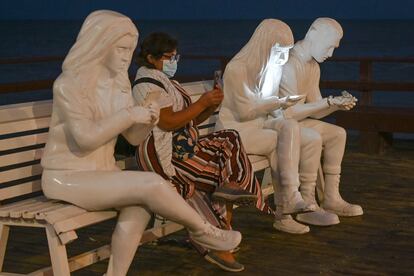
point(202, 164)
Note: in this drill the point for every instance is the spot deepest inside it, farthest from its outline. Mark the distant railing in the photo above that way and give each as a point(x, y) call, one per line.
point(376, 124)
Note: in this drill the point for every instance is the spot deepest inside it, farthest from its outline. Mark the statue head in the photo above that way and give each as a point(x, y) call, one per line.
point(269, 45)
point(323, 37)
point(107, 39)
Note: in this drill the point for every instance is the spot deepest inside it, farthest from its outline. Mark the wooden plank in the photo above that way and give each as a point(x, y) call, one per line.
point(63, 213)
point(18, 213)
point(82, 220)
point(21, 157)
point(24, 125)
point(24, 111)
point(68, 237)
point(20, 173)
point(23, 141)
point(19, 203)
point(4, 237)
point(32, 214)
point(57, 253)
point(198, 87)
point(22, 223)
point(5, 213)
point(21, 189)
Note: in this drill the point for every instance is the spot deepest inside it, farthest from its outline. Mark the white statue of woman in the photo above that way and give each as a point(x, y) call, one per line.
point(301, 75)
point(92, 105)
point(250, 80)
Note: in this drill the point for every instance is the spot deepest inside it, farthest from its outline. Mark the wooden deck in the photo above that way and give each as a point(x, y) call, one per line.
point(379, 243)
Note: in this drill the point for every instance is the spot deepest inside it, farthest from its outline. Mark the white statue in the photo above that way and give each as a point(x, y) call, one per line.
point(301, 75)
point(92, 105)
point(250, 80)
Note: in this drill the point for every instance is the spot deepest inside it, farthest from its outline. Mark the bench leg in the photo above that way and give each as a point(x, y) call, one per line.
point(4, 236)
point(57, 253)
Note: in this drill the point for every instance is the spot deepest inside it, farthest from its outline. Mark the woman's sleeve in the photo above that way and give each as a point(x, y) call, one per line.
point(78, 116)
point(145, 93)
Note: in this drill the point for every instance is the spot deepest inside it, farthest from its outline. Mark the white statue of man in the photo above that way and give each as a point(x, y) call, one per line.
point(301, 75)
point(92, 105)
point(250, 79)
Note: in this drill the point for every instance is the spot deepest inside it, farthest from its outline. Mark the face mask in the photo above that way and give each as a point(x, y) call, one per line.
point(169, 68)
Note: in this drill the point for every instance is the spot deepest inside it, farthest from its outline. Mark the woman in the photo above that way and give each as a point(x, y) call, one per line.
point(92, 105)
point(200, 168)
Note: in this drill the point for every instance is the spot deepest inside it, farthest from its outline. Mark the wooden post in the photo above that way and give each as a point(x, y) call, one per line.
point(4, 235)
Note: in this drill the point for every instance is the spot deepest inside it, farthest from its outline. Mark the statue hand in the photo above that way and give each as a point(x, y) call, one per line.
point(288, 101)
point(344, 102)
point(145, 115)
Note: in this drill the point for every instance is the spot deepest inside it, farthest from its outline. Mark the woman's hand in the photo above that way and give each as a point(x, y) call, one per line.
point(145, 115)
point(212, 98)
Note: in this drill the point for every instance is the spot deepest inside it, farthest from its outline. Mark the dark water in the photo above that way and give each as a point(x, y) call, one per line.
point(361, 38)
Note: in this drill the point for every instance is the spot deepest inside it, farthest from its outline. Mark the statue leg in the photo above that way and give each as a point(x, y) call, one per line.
point(131, 223)
point(310, 156)
point(333, 141)
point(103, 190)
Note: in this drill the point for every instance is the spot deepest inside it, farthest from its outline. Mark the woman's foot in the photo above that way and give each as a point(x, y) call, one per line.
point(214, 238)
point(232, 192)
point(224, 260)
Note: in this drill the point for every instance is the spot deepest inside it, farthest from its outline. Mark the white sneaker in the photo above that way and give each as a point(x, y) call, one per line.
point(289, 225)
point(216, 239)
point(319, 218)
point(296, 205)
point(343, 208)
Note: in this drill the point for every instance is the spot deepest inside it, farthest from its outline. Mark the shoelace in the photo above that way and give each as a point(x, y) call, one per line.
point(216, 233)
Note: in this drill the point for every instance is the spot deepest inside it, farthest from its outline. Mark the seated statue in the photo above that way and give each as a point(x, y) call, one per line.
point(250, 80)
point(92, 105)
point(301, 75)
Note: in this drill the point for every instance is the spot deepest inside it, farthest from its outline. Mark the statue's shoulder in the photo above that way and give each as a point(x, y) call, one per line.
point(235, 68)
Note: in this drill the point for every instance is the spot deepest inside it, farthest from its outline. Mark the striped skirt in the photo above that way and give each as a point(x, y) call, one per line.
point(220, 160)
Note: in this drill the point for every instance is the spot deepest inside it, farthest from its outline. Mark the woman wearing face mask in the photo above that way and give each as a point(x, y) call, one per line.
point(204, 170)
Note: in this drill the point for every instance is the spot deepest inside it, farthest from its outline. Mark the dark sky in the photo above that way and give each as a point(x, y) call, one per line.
point(210, 9)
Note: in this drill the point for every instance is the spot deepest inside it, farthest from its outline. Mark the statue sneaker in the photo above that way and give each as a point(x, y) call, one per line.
point(343, 208)
point(216, 239)
point(319, 218)
point(289, 225)
point(297, 205)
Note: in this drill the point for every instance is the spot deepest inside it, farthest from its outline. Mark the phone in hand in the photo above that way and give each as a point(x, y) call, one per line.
point(218, 79)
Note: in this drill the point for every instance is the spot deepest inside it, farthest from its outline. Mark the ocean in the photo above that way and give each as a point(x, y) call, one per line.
point(392, 38)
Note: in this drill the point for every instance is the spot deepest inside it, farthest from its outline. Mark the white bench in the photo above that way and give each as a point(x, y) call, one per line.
point(23, 134)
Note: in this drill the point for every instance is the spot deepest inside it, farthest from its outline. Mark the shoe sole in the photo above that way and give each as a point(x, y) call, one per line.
point(213, 261)
point(285, 230)
point(240, 200)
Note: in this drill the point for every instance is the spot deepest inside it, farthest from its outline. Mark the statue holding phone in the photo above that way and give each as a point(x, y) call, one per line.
point(301, 75)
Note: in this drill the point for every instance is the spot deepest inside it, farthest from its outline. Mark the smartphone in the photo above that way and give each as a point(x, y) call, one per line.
point(218, 79)
point(296, 98)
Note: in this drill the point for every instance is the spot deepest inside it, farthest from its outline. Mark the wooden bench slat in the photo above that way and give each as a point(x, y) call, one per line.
point(24, 125)
point(47, 208)
point(23, 141)
point(24, 111)
point(18, 213)
point(82, 220)
point(20, 202)
point(63, 213)
point(5, 213)
point(20, 173)
point(21, 157)
point(21, 189)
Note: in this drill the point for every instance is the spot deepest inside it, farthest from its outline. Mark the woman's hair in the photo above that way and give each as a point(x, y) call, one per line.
point(155, 44)
point(99, 33)
point(255, 54)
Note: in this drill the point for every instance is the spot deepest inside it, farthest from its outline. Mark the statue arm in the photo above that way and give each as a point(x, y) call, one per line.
point(244, 101)
point(88, 133)
point(313, 105)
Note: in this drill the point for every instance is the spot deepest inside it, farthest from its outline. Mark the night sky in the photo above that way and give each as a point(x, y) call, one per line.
point(210, 9)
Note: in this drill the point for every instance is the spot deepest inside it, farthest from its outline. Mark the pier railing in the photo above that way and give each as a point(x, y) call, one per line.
point(375, 123)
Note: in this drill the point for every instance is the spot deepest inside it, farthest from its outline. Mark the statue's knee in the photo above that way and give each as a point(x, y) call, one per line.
point(316, 140)
point(340, 133)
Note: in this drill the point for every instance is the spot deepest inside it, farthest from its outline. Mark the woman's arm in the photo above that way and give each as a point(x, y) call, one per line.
point(170, 120)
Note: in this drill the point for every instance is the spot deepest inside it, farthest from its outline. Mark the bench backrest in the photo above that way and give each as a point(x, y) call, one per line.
point(23, 134)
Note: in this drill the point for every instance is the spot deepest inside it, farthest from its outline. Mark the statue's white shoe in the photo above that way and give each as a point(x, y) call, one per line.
point(296, 205)
point(214, 238)
point(289, 225)
point(342, 208)
point(319, 217)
